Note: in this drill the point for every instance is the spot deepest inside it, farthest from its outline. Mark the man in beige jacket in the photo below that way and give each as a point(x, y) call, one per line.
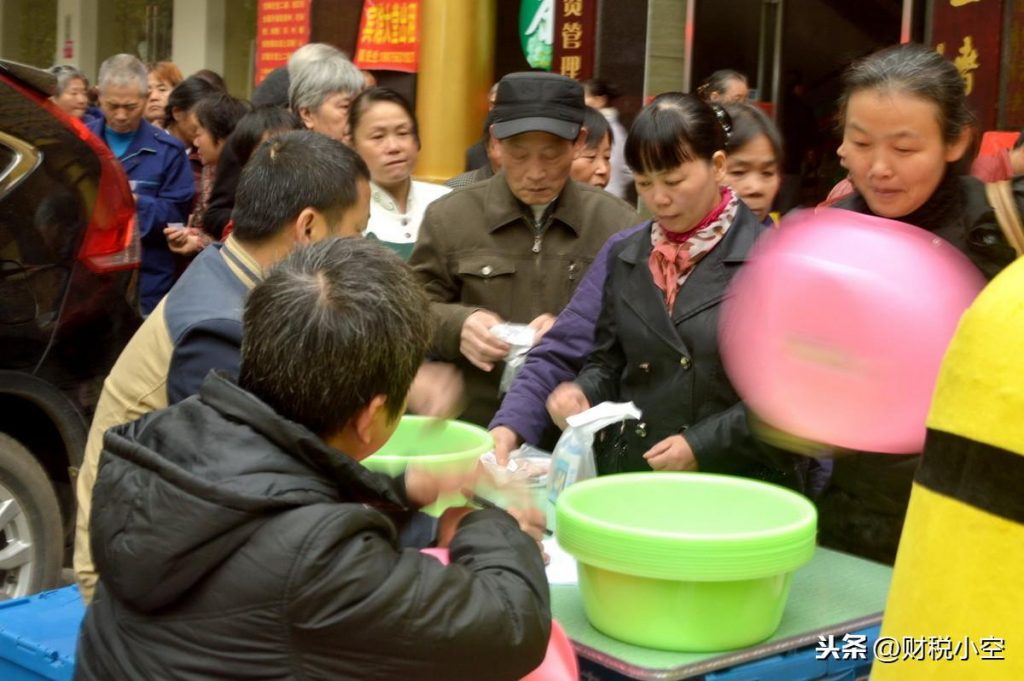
point(298, 188)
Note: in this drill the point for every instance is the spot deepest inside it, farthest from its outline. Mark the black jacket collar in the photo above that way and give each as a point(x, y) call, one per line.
point(705, 286)
point(354, 481)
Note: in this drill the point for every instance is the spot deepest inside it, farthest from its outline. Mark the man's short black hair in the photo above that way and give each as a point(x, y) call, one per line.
point(290, 172)
point(257, 125)
point(333, 325)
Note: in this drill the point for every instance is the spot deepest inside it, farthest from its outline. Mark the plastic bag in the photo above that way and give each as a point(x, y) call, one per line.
point(527, 464)
point(520, 337)
point(573, 458)
point(523, 481)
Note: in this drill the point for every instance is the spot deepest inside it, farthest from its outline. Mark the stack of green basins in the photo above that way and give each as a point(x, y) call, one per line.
point(685, 561)
point(437, 445)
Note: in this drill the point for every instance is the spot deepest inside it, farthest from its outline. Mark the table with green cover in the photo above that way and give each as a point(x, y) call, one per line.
point(833, 594)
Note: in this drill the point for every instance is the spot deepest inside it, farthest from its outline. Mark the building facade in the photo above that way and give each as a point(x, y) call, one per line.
point(642, 47)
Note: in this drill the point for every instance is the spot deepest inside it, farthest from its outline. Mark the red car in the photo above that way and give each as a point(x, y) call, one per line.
point(69, 258)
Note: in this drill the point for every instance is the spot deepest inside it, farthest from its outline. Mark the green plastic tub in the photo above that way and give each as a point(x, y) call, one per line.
point(438, 445)
point(685, 561)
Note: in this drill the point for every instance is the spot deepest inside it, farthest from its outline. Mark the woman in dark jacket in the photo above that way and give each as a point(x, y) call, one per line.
point(906, 127)
point(657, 334)
point(753, 158)
point(253, 128)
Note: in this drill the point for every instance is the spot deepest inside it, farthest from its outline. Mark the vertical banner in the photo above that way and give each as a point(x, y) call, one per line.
point(537, 32)
point(282, 26)
point(575, 36)
point(969, 33)
point(389, 33)
point(1014, 113)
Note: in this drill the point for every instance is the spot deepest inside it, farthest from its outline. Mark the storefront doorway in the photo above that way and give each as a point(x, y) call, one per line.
point(793, 53)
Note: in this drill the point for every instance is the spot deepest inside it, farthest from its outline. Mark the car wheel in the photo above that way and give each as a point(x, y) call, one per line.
point(31, 536)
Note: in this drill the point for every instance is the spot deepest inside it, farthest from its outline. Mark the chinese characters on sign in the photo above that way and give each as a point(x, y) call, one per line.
point(965, 62)
point(282, 26)
point(537, 31)
point(888, 649)
point(389, 35)
point(968, 33)
point(575, 28)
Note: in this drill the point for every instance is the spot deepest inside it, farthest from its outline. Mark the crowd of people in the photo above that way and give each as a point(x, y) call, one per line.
point(220, 489)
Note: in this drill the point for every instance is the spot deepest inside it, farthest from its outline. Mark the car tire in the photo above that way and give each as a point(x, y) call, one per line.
point(31, 532)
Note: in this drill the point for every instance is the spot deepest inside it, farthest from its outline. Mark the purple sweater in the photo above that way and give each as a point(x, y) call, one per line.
point(560, 354)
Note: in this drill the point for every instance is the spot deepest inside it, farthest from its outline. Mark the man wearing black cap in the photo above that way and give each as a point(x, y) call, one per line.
point(514, 248)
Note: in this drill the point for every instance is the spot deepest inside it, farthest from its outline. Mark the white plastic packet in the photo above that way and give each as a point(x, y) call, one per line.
point(527, 464)
point(523, 480)
point(573, 458)
point(520, 337)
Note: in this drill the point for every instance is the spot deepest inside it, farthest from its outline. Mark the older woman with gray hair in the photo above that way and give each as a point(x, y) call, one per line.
point(323, 83)
point(312, 52)
point(72, 91)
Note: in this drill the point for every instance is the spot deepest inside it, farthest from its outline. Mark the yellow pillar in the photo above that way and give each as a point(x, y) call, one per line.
point(456, 68)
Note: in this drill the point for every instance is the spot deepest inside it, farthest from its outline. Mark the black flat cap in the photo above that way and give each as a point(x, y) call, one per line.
point(538, 102)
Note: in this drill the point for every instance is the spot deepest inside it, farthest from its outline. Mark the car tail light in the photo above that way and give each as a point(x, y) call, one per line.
point(111, 240)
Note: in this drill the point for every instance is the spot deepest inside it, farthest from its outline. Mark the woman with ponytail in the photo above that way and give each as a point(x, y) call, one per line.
point(657, 333)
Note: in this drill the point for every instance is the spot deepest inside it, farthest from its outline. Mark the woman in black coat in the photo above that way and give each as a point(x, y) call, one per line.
point(657, 335)
point(906, 129)
point(252, 130)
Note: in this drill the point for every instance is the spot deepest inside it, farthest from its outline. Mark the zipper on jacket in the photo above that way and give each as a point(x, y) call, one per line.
point(572, 271)
point(539, 228)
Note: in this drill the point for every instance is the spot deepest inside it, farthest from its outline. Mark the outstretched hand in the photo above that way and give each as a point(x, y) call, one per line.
point(477, 344)
point(437, 390)
point(566, 400)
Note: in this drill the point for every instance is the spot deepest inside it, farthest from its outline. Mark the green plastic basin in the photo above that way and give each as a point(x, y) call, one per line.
point(437, 445)
point(685, 561)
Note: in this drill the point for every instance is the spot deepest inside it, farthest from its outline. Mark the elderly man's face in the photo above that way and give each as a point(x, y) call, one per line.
point(123, 106)
point(537, 165)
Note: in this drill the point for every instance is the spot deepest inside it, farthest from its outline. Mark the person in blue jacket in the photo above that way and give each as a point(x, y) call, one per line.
point(156, 165)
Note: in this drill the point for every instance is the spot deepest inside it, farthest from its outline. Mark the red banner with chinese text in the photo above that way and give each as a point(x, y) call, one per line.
point(575, 36)
point(282, 26)
point(969, 33)
point(389, 35)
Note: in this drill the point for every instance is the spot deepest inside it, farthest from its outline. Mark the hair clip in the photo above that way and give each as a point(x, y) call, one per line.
point(724, 120)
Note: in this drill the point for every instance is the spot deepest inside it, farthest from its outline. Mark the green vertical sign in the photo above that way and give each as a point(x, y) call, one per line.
point(537, 32)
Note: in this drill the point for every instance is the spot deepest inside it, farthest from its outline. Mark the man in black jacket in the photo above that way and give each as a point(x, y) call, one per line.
point(241, 538)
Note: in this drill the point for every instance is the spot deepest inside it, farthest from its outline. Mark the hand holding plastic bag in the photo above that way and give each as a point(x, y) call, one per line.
point(520, 338)
point(573, 458)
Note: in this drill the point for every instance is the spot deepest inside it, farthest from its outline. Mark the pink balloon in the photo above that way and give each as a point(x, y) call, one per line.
point(835, 329)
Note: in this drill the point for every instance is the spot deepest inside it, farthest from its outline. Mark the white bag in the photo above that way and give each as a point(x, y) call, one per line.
point(520, 338)
point(573, 458)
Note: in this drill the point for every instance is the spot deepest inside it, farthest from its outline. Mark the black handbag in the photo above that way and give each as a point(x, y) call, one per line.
point(619, 448)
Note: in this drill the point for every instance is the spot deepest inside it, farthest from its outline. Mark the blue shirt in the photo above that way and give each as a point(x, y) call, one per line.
point(158, 165)
point(118, 141)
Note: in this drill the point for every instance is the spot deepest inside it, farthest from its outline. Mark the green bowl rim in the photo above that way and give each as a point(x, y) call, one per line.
point(689, 555)
point(446, 457)
point(782, 492)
